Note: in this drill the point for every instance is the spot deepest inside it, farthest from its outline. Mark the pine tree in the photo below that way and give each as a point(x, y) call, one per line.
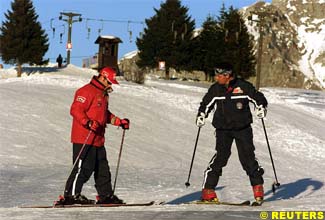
point(210, 48)
point(239, 52)
point(223, 43)
point(22, 38)
point(168, 37)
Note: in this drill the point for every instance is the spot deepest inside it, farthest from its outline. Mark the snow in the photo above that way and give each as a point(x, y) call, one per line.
point(35, 149)
point(130, 55)
point(311, 36)
point(252, 28)
point(289, 4)
point(313, 48)
point(197, 32)
point(111, 37)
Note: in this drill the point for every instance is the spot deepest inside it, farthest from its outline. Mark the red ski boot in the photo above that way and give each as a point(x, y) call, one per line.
point(209, 195)
point(258, 191)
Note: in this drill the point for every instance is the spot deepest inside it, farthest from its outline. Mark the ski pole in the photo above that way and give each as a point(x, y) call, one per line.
point(118, 161)
point(187, 183)
point(80, 152)
point(276, 183)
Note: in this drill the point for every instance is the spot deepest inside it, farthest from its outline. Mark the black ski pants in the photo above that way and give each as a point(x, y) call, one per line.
point(245, 147)
point(92, 160)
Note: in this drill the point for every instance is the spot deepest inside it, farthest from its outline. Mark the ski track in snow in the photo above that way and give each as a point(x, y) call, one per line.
point(35, 156)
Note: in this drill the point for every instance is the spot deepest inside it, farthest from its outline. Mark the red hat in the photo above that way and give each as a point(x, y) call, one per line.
point(109, 74)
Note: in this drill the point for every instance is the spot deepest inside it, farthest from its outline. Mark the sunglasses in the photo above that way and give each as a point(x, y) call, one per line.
point(222, 75)
point(218, 72)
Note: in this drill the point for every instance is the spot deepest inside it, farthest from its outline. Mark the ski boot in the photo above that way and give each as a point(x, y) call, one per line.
point(258, 191)
point(209, 195)
point(112, 199)
point(71, 200)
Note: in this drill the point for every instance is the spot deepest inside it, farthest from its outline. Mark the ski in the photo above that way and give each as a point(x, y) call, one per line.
point(199, 202)
point(89, 205)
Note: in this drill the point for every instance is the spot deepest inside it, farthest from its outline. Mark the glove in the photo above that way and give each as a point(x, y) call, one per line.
point(125, 123)
point(260, 111)
point(94, 126)
point(200, 120)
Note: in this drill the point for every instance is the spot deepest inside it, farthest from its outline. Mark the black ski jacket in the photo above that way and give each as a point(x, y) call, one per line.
point(231, 104)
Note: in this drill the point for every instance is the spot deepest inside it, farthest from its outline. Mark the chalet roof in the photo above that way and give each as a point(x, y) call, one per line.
point(108, 38)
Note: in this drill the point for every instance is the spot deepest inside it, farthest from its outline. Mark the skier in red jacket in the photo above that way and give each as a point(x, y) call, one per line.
point(90, 115)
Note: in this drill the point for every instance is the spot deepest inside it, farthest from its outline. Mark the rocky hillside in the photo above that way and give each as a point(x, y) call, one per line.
point(294, 42)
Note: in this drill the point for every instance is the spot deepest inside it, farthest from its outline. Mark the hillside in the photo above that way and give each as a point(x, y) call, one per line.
point(294, 42)
point(35, 149)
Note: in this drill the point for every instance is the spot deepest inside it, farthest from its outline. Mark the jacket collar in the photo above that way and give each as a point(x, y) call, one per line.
point(232, 82)
point(231, 85)
point(95, 82)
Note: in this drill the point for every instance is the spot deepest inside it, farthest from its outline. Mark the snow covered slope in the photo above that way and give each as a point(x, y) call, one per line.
point(35, 149)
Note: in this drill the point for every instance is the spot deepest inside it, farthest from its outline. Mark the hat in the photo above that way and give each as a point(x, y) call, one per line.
point(109, 74)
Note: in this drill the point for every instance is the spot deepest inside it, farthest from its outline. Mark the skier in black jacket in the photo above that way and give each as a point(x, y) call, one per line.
point(230, 97)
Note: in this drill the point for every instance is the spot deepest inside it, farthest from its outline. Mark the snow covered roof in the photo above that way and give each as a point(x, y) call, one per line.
point(130, 55)
point(108, 38)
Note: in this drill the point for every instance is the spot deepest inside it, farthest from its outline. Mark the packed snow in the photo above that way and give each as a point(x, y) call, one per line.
point(35, 149)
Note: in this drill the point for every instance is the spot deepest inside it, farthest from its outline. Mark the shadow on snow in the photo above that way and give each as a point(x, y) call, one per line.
point(189, 197)
point(33, 70)
point(294, 189)
point(284, 192)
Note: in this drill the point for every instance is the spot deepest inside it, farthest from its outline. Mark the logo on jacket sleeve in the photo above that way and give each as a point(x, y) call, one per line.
point(81, 99)
point(237, 90)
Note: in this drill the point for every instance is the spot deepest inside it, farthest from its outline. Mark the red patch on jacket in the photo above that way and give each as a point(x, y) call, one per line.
point(237, 90)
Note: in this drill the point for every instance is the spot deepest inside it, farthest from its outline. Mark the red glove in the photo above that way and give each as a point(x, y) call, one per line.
point(94, 125)
point(125, 123)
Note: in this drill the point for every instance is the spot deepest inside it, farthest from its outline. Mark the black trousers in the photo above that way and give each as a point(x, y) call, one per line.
point(245, 147)
point(92, 160)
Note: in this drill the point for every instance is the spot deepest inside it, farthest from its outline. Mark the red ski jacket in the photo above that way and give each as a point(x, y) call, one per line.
point(91, 103)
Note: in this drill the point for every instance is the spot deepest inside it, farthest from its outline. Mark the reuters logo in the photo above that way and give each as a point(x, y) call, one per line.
point(264, 215)
point(284, 215)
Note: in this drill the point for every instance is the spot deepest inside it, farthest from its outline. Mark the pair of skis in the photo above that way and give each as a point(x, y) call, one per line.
point(198, 202)
point(244, 203)
point(89, 205)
